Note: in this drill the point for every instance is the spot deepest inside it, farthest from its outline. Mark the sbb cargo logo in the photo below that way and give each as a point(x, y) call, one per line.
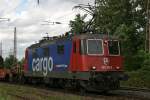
point(42, 65)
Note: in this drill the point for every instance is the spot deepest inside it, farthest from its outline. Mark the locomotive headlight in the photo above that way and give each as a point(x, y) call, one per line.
point(117, 67)
point(93, 68)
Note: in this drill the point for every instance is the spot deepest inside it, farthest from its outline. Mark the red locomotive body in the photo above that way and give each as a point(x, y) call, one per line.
point(102, 56)
point(97, 59)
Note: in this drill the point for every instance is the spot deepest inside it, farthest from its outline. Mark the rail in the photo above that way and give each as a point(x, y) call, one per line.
point(142, 93)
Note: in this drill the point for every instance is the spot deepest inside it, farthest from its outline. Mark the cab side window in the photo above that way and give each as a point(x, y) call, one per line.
point(60, 49)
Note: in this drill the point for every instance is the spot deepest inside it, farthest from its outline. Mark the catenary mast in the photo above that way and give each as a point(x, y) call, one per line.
point(1, 48)
point(147, 42)
point(15, 43)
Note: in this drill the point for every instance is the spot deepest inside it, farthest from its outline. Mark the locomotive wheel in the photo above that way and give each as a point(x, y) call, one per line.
point(83, 89)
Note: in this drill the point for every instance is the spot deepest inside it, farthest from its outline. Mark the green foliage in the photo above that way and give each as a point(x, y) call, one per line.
point(146, 63)
point(10, 61)
point(21, 62)
point(135, 62)
point(110, 14)
point(14, 92)
point(140, 77)
point(137, 79)
point(144, 74)
point(1, 62)
point(78, 25)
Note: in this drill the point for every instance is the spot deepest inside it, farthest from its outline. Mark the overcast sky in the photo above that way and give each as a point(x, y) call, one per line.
point(28, 16)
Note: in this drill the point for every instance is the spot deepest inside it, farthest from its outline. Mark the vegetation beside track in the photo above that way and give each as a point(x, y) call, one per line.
point(140, 79)
point(18, 92)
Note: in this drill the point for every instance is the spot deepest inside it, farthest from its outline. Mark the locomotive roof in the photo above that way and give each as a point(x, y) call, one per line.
point(48, 40)
point(52, 40)
point(94, 36)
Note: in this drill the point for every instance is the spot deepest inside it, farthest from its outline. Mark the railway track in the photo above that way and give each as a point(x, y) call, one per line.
point(136, 89)
point(142, 93)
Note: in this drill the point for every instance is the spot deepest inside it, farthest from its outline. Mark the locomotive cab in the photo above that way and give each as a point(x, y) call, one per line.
point(96, 53)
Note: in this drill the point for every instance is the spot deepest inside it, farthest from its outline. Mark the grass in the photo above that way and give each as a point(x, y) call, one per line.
point(140, 79)
point(8, 92)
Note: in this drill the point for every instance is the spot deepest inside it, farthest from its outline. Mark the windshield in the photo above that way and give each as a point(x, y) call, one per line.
point(94, 46)
point(113, 47)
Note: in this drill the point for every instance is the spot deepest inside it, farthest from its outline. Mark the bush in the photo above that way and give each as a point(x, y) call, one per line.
point(134, 80)
point(135, 62)
point(141, 76)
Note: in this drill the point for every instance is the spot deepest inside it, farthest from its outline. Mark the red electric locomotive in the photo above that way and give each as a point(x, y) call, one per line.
point(90, 61)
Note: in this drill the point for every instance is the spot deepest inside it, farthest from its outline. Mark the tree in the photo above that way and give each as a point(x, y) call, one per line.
point(21, 62)
point(78, 24)
point(1, 62)
point(10, 61)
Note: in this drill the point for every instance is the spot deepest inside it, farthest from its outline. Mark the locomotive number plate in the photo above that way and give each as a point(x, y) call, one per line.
point(106, 67)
